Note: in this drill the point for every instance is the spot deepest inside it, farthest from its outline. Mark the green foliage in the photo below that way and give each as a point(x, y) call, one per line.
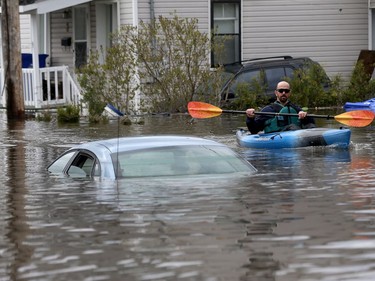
point(335, 91)
point(120, 67)
point(250, 95)
point(361, 87)
point(246, 98)
point(91, 77)
point(113, 81)
point(308, 87)
point(45, 116)
point(69, 114)
point(166, 61)
point(173, 57)
point(307, 91)
point(210, 85)
point(95, 119)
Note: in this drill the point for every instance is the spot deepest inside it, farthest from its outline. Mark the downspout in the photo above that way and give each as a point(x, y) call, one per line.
point(152, 10)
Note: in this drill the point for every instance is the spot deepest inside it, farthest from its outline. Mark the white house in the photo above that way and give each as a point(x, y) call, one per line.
point(332, 32)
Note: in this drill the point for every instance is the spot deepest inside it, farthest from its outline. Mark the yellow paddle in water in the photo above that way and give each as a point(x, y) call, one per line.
point(356, 118)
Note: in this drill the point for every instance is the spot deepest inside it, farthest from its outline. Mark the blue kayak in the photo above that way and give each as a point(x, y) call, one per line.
point(298, 138)
point(361, 105)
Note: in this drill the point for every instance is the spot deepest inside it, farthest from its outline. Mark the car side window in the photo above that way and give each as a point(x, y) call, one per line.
point(289, 72)
point(276, 74)
point(60, 164)
point(82, 166)
point(245, 77)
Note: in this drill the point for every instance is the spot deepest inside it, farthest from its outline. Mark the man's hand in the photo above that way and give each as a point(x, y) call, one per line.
point(250, 112)
point(302, 114)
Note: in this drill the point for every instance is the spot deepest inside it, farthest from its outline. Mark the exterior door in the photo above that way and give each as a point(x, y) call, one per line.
point(106, 24)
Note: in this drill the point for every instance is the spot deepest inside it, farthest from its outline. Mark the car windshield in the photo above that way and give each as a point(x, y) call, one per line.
point(179, 161)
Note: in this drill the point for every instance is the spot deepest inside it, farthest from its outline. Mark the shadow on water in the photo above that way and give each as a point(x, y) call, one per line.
point(17, 226)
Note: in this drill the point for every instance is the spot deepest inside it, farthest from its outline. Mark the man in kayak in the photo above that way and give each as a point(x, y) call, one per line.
point(279, 123)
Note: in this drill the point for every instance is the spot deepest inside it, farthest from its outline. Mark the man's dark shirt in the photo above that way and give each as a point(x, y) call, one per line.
point(257, 124)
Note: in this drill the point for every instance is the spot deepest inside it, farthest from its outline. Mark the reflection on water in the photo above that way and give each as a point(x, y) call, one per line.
point(308, 214)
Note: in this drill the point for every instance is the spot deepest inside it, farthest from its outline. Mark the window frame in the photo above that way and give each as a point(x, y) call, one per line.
point(237, 52)
point(81, 41)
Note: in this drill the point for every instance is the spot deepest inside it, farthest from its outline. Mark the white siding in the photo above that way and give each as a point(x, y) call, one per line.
point(331, 32)
point(198, 9)
point(92, 40)
point(25, 25)
point(126, 12)
point(60, 28)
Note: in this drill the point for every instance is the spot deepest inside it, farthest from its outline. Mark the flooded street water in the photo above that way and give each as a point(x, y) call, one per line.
point(307, 215)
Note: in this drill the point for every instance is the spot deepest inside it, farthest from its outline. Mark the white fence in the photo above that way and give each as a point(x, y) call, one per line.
point(55, 87)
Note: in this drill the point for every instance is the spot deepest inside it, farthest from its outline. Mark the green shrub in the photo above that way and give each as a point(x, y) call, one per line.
point(175, 65)
point(308, 88)
point(361, 87)
point(95, 118)
point(164, 61)
point(68, 114)
point(45, 116)
point(249, 95)
point(110, 76)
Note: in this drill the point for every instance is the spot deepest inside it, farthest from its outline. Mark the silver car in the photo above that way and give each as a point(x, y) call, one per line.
point(149, 156)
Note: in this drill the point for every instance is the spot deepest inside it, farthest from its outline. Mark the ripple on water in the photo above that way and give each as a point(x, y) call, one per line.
point(306, 215)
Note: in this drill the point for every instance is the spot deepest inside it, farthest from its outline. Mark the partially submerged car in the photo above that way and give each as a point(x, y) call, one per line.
point(149, 156)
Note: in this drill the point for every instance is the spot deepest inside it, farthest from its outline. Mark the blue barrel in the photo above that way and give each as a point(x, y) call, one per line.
point(27, 60)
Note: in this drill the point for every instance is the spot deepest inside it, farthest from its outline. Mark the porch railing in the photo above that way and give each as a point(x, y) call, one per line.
point(56, 88)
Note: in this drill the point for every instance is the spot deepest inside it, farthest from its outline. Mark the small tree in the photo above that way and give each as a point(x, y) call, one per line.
point(173, 56)
point(361, 87)
point(113, 81)
point(121, 70)
point(90, 78)
point(68, 114)
point(166, 60)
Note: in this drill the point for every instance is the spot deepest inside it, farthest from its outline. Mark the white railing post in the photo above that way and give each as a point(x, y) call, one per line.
point(66, 82)
point(37, 97)
point(2, 80)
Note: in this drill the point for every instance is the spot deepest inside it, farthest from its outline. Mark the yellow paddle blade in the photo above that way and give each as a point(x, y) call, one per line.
point(203, 110)
point(356, 118)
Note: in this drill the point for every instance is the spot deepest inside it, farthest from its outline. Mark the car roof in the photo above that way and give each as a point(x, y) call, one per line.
point(265, 62)
point(143, 142)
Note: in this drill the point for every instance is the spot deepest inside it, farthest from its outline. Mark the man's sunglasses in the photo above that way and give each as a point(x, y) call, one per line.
point(283, 91)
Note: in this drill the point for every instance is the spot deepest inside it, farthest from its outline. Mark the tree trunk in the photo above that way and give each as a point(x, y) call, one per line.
point(11, 44)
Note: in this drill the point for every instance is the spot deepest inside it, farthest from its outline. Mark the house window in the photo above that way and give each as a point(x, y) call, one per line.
point(225, 23)
point(80, 36)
